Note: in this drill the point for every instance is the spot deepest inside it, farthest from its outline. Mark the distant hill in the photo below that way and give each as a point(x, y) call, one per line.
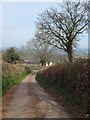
point(81, 52)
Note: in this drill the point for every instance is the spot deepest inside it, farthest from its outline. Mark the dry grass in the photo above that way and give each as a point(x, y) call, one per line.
point(11, 75)
point(13, 70)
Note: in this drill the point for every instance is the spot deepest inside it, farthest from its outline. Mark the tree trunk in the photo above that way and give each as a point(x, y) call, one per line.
point(70, 57)
point(42, 63)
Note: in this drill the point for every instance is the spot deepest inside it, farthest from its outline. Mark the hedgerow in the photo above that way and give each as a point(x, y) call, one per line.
point(12, 74)
point(70, 80)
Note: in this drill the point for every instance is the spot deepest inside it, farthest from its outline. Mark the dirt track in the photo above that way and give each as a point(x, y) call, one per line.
point(29, 100)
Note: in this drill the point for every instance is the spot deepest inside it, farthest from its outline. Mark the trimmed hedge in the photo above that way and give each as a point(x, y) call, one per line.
point(69, 80)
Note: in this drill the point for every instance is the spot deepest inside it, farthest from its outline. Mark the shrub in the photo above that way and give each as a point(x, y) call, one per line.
point(70, 80)
point(27, 69)
point(11, 55)
point(7, 82)
point(12, 74)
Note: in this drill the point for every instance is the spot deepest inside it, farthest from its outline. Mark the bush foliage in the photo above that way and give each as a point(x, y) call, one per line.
point(70, 80)
point(12, 74)
point(28, 70)
point(11, 55)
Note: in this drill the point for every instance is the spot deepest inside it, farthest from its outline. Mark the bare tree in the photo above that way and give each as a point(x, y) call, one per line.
point(42, 52)
point(36, 52)
point(25, 52)
point(62, 27)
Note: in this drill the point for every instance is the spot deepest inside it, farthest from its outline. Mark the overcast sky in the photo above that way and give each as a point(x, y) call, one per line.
point(18, 22)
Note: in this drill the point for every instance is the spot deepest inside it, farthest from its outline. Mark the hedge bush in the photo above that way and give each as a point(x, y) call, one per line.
point(28, 70)
point(12, 74)
point(70, 80)
point(8, 81)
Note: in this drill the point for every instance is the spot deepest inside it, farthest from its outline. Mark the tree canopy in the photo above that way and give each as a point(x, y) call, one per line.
point(63, 26)
point(11, 55)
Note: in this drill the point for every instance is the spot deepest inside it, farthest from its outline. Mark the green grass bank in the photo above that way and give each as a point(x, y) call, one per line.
point(12, 75)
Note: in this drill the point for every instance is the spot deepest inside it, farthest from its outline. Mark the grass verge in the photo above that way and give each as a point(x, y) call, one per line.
point(8, 81)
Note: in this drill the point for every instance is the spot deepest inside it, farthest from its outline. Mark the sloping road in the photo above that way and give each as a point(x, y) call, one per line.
point(29, 100)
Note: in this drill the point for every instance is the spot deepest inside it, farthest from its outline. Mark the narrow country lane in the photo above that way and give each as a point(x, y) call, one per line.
point(29, 100)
